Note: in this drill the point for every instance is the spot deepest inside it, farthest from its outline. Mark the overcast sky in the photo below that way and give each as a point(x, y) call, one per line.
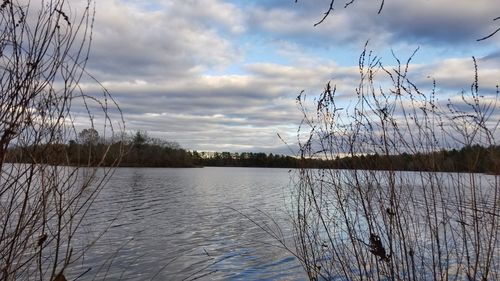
point(218, 75)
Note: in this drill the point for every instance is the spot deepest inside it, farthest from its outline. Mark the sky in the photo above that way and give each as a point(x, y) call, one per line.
point(217, 75)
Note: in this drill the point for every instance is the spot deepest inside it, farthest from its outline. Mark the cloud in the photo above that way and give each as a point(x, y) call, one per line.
point(224, 75)
point(455, 75)
point(421, 22)
point(448, 22)
point(171, 42)
point(207, 111)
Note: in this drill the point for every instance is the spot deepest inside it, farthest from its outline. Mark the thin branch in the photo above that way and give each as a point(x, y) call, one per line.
point(327, 13)
point(490, 35)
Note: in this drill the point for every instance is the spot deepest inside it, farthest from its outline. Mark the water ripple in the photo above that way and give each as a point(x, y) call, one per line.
point(174, 224)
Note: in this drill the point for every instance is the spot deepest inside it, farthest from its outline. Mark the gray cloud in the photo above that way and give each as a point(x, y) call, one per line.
point(422, 22)
point(448, 22)
point(130, 43)
point(169, 63)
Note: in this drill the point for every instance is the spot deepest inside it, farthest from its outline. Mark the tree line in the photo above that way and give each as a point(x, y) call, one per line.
point(246, 159)
point(136, 150)
point(140, 150)
point(474, 159)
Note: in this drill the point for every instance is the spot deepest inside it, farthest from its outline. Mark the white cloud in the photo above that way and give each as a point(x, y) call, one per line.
point(174, 41)
point(168, 63)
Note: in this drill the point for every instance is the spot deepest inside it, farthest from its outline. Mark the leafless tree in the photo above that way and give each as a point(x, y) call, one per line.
point(44, 48)
point(362, 224)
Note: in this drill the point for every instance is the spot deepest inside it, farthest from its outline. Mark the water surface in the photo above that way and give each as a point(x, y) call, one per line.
point(190, 224)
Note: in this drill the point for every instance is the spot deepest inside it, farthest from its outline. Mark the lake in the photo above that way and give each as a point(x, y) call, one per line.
point(227, 223)
point(190, 224)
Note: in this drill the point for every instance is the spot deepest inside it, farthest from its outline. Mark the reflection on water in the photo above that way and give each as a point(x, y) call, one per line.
point(175, 224)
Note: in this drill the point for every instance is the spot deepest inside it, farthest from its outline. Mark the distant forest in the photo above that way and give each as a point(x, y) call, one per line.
point(468, 159)
point(143, 151)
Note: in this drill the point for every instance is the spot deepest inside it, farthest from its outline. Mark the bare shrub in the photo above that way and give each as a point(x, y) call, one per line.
point(366, 224)
point(44, 196)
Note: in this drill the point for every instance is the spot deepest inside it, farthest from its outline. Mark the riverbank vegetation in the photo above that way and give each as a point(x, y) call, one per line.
point(361, 224)
point(44, 48)
point(140, 150)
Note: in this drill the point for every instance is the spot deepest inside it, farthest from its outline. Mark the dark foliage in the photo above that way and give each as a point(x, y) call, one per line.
point(248, 159)
point(475, 159)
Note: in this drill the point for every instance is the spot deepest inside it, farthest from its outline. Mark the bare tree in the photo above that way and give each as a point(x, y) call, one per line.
point(89, 136)
point(44, 49)
point(362, 224)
